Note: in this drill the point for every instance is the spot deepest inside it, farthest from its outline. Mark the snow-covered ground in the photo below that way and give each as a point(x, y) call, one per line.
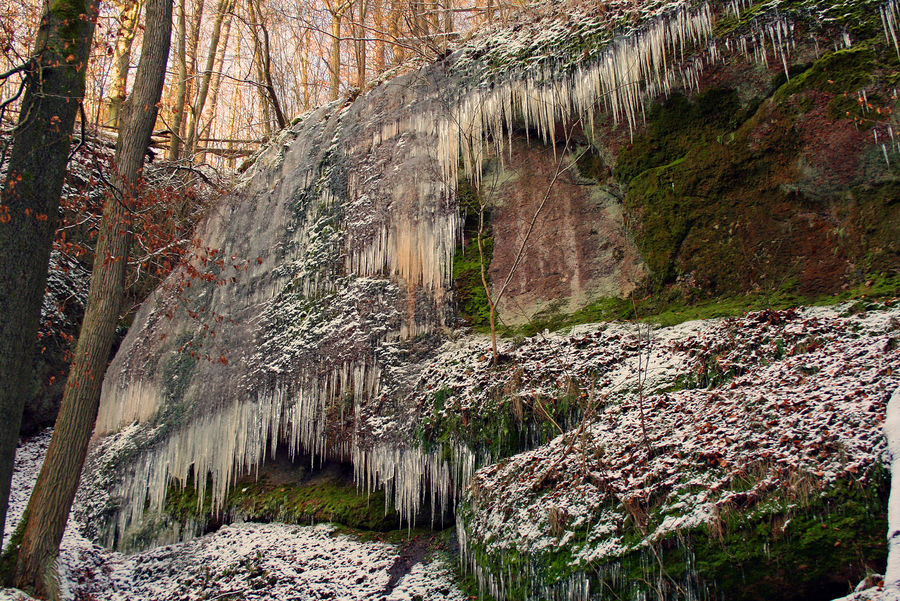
point(738, 413)
point(239, 561)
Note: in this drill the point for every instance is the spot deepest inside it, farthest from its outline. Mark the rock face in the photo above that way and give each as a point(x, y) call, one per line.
point(670, 153)
point(578, 249)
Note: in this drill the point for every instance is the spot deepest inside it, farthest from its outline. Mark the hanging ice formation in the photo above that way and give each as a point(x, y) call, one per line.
point(890, 19)
point(341, 241)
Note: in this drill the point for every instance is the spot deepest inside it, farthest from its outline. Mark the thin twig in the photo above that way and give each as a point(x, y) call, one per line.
point(80, 140)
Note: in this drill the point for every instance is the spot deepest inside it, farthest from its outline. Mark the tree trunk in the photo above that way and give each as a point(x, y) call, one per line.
point(335, 63)
point(50, 503)
point(196, 113)
point(360, 46)
point(448, 23)
point(29, 201)
point(394, 31)
point(267, 75)
point(492, 307)
point(378, 26)
point(175, 142)
point(264, 65)
point(129, 12)
point(207, 130)
point(304, 69)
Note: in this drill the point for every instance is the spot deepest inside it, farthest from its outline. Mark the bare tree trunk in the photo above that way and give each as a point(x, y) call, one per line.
point(360, 45)
point(304, 69)
point(193, 42)
point(196, 113)
point(50, 503)
point(335, 63)
point(29, 200)
point(175, 142)
point(394, 18)
point(264, 62)
point(448, 23)
point(186, 44)
point(206, 130)
point(378, 25)
point(492, 306)
point(129, 12)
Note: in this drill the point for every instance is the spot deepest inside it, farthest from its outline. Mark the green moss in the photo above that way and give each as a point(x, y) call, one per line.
point(471, 297)
point(846, 70)
point(602, 309)
point(323, 498)
point(327, 500)
point(674, 127)
point(505, 426)
point(771, 550)
point(874, 213)
point(10, 554)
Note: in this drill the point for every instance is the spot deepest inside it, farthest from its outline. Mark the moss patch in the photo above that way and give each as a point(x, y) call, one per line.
point(727, 199)
point(505, 426)
point(471, 297)
point(329, 496)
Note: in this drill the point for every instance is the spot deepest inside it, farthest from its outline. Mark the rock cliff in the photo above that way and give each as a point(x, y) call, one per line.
point(662, 159)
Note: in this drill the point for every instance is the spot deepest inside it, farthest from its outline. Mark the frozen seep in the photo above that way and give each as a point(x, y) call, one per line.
point(408, 474)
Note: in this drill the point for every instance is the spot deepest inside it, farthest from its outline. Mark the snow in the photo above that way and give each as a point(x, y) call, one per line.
point(246, 561)
point(773, 399)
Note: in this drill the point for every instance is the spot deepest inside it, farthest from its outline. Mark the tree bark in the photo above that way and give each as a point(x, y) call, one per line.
point(50, 503)
point(378, 25)
point(264, 63)
point(129, 12)
point(175, 142)
point(335, 62)
point(394, 31)
point(29, 200)
point(304, 69)
point(209, 129)
point(360, 46)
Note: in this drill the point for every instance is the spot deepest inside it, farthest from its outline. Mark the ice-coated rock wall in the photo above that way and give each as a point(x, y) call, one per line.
point(290, 325)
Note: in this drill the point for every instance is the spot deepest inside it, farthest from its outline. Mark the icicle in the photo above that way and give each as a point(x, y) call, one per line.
point(845, 37)
point(890, 16)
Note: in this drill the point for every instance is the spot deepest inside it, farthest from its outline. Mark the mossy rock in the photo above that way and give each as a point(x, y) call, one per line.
point(506, 425)
point(328, 495)
point(737, 199)
point(471, 298)
point(790, 549)
point(846, 70)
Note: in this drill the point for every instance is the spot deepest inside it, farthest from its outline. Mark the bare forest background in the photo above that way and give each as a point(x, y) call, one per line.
point(240, 70)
